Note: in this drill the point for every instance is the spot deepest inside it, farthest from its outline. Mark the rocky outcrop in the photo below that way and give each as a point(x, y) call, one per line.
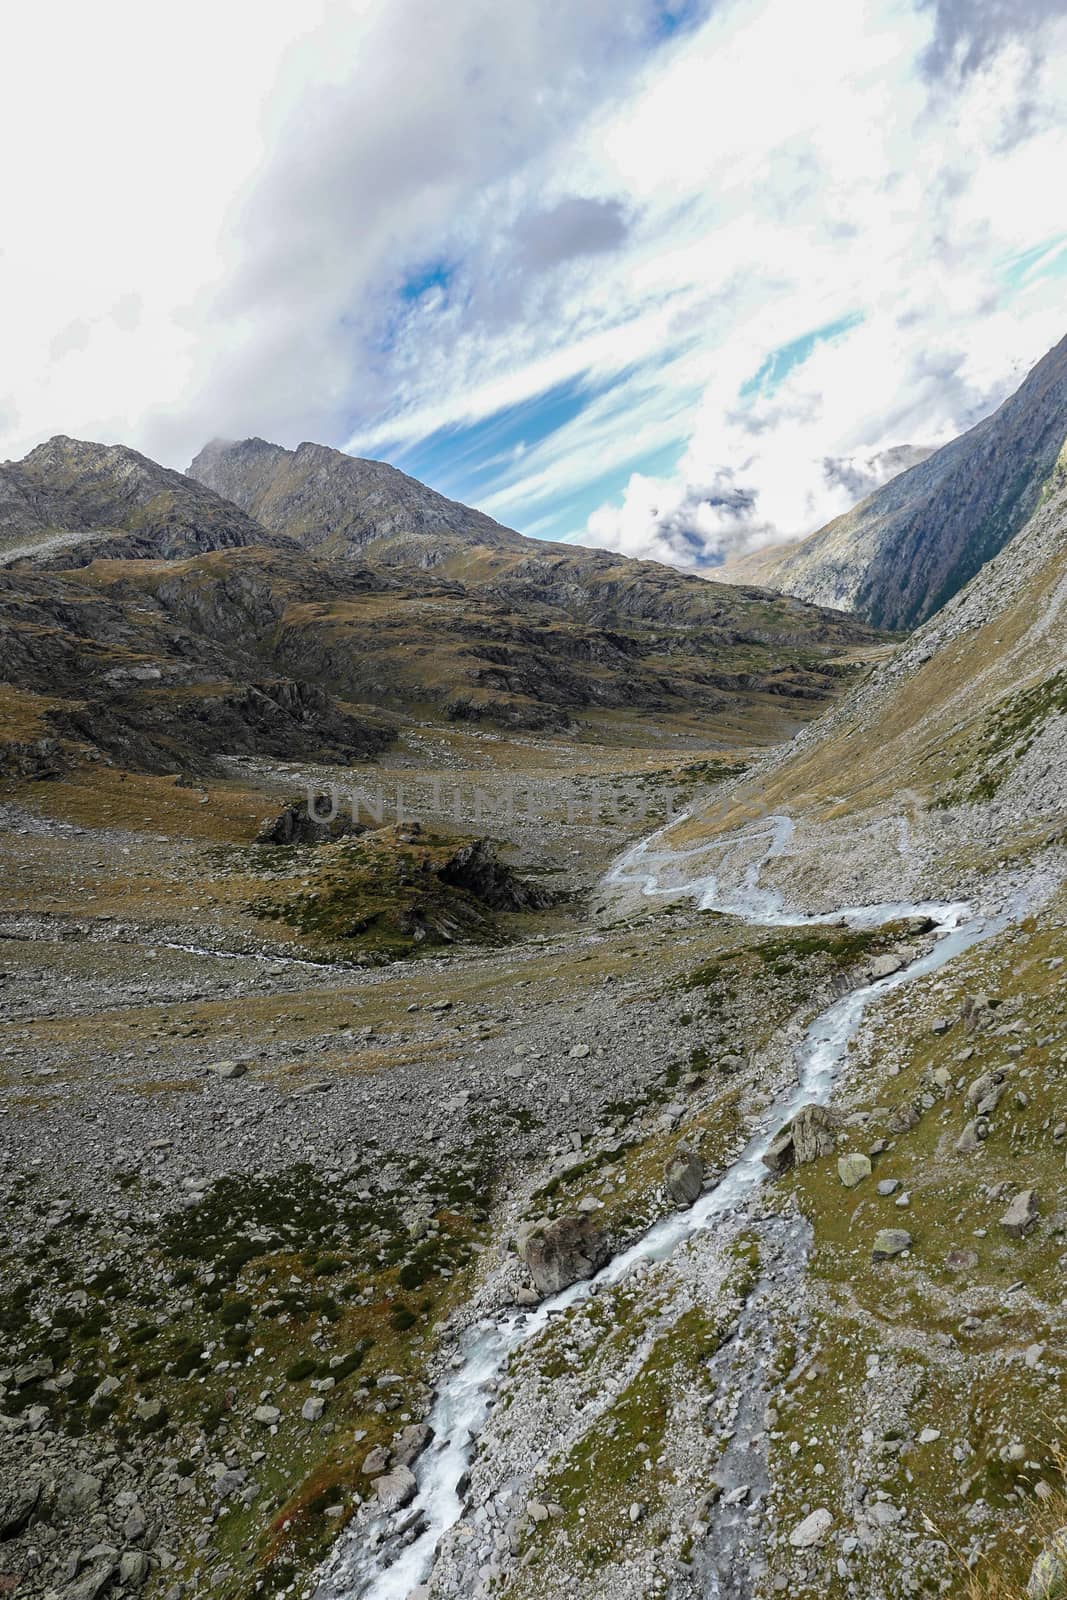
point(809, 1136)
point(477, 868)
point(900, 554)
point(120, 501)
point(561, 1252)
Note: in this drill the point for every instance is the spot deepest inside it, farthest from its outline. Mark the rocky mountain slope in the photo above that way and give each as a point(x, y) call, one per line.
point(158, 624)
point(84, 501)
point(281, 1155)
point(899, 555)
point(340, 505)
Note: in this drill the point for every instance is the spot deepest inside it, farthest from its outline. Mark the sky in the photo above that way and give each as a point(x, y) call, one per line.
point(671, 277)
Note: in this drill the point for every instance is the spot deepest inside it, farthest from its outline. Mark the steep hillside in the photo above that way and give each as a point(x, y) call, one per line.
point(899, 555)
point(339, 505)
point(75, 501)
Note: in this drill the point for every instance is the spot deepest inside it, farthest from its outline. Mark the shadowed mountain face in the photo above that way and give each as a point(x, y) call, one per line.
point(157, 623)
point(898, 556)
point(71, 496)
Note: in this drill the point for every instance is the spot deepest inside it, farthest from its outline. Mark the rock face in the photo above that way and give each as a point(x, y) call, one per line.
point(685, 1176)
point(562, 1252)
point(109, 500)
point(339, 504)
point(899, 555)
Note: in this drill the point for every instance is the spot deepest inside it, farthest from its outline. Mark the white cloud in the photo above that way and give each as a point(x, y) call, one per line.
point(211, 215)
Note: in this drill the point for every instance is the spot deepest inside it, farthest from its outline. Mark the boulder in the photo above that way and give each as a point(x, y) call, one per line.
point(812, 1530)
point(411, 1443)
point(18, 1501)
point(396, 1489)
point(1020, 1215)
point(561, 1252)
point(685, 1176)
point(79, 1492)
point(885, 966)
point(852, 1169)
point(807, 1138)
point(1048, 1575)
point(890, 1242)
point(813, 1130)
point(375, 1461)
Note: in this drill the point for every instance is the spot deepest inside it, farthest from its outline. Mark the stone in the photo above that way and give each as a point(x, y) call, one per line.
point(536, 1511)
point(313, 1407)
point(376, 1461)
point(18, 1501)
point(890, 1242)
point(1048, 1575)
point(968, 1141)
point(561, 1252)
point(852, 1169)
point(135, 1526)
point(411, 1443)
point(812, 1530)
point(267, 1416)
point(134, 1567)
point(929, 1435)
point(885, 966)
point(813, 1129)
point(685, 1176)
point(961, 1260)
point(79, 1493)
point(1020, 1215)
point(229, 1069)
point(888, 1186)
point(780, 1154)
point(396, 1489)
point(93, 1583)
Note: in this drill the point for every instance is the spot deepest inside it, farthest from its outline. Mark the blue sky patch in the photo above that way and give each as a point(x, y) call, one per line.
point(781, 362)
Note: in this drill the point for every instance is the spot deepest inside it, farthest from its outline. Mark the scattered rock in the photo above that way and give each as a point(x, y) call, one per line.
point(852, 1169)
point(812, 1530)
point(1020, 1215)
point(890, 1242)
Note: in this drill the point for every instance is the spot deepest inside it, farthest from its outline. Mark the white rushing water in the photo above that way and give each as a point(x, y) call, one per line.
point(367, 1564)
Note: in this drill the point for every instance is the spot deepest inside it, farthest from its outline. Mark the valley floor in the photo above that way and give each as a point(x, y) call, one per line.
point(256, 1191)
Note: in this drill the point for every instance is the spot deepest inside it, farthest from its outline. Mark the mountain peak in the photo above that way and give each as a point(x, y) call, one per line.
point(339, 504)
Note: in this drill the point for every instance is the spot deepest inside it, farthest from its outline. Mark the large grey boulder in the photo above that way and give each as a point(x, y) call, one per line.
point(685, 1176)
point(808, 1137)
point(890, 1242)
point(1048, 1576)
point(396, 1489)
point(1020, 1215)
point(561, 1252)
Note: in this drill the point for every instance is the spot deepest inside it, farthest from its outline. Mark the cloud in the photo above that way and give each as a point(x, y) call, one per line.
point(574, 226)
point(967, 33)
point(657, 275)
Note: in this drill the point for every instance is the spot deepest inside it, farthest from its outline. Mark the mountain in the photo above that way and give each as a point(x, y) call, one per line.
point(339, 505)
point(168, 628)
point(900, 554)
point(91, 500)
